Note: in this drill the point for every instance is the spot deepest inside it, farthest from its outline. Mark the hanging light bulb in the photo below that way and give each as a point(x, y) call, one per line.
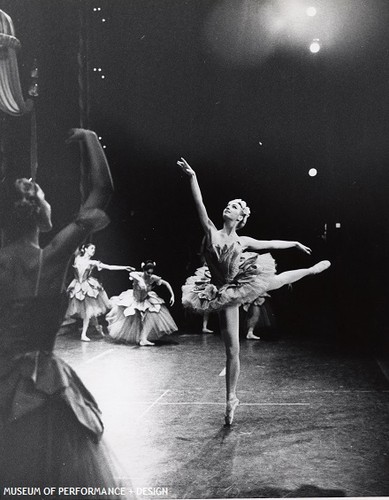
point(34, 70)
point(33, 90)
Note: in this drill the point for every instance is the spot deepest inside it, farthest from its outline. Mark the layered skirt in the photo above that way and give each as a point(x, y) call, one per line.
point(130, 318)
point(87, 299)
point(251, 283)
point(50, 430)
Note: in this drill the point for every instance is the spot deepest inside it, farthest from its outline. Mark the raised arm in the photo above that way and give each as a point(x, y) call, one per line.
point(168, 286)
point(44, 215)
point(91, 217)
point(259, 245)
point(101, 184)
point(206, 223)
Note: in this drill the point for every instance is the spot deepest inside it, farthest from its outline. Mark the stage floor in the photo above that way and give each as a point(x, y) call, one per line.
point(313, 420)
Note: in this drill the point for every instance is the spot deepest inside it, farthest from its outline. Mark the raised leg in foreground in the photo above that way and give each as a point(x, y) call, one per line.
point(288, 277)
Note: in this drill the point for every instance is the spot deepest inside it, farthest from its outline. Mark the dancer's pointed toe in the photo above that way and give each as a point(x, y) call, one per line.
point(321, 266)
point(230, 411)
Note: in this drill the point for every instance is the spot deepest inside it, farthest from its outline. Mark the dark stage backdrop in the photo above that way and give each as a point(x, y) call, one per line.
point(172, 87)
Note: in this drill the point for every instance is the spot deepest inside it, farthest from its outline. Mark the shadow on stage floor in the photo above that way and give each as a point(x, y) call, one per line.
point(313, 419)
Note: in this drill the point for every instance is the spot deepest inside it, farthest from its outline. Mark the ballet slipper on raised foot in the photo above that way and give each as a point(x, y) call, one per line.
point(230, 410)
point(320, 266)
point(84, 338)
point(145, 342)
point(251, 336)
point(206, 330)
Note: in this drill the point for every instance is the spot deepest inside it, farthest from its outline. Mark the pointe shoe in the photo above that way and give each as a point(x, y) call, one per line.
point(230, 410)
point(84, 338)
point(320, 266)
point(145, 342)
point(251, 336)
point(206, 330)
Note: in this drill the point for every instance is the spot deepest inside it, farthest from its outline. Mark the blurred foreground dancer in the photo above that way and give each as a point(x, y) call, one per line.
point(50, 425)
point(232, 277)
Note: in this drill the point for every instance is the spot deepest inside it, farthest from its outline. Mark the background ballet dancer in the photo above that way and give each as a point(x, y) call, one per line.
point(205, 322)
point(234, 277)
point(140, 315)
point(87, 297)
point(258, 312)
point(50, 425)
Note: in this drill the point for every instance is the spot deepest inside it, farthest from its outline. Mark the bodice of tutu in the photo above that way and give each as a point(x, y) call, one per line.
point(29, 324)
point(82, 273)
point(223, 262)
point(143, 285)
point(84, 284)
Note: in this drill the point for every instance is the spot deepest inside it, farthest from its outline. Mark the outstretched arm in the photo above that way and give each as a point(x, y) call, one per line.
point(168, 286)
point(112, 267)
point(258, 245)
point(206, 223)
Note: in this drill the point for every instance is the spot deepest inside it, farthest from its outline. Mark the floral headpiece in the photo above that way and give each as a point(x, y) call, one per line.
point(245, 211)
point(148, 263)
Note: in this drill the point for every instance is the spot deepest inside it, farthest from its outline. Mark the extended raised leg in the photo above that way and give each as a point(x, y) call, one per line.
point(288, 277)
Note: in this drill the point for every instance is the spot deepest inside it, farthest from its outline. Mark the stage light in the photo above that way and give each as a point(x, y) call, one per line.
point(312, 172)
point(102, 76)
point(103, 20)
point(33, 91)
point(338, 225)
point(315, 46)
point(311, 11)
point(100, 138)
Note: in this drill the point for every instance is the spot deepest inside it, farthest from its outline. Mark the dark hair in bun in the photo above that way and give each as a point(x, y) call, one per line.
point(84, 247)
point(149, 264)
